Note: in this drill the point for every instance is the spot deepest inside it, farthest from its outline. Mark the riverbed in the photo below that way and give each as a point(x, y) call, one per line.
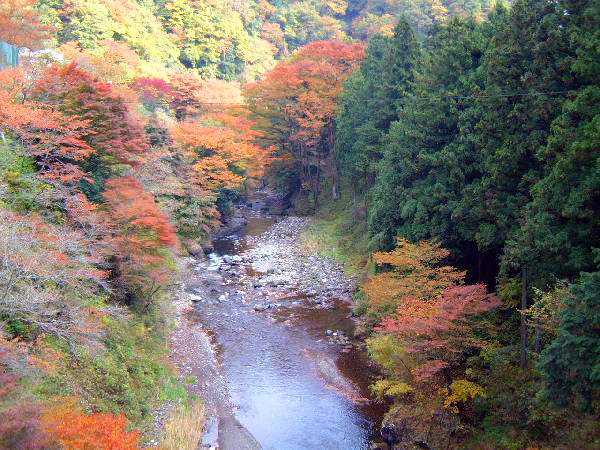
point(278, 364)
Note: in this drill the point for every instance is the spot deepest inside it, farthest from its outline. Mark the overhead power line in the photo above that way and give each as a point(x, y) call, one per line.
point(517, 94)
point(425, 97)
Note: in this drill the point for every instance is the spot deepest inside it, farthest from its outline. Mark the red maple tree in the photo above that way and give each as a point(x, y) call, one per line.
point(297, 103)
point(112, 129)
point(57, 142)
point(143, 233)
point(425, 305)
point(20, 24)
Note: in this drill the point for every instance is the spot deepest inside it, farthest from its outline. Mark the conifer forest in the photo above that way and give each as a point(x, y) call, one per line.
point(299, 224)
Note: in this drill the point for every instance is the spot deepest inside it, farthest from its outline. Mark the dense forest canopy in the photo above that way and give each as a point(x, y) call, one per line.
point(227, 39)
point(455, 142)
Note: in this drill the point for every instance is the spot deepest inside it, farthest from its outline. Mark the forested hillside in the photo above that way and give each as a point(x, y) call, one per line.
point(466, 154)
point(232, 39)
point(114, 162)
point(448, 150)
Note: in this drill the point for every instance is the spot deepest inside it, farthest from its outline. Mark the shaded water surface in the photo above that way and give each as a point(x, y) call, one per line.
point(291, 387)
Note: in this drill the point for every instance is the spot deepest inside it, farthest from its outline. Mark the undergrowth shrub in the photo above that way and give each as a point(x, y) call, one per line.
point(75, 430)
point(126, 374)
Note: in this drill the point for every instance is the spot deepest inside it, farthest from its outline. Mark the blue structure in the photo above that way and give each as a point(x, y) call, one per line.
point(9, 55)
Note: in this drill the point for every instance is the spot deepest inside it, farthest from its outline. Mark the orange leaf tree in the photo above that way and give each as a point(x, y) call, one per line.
point(297, 103)
point(214, 153)
point(417, 272)
point(223, 154)
point(144, 237)
point(214, 136)
point(113, 130)
point(428, 325)
point(441, 333)
point(58, 143)
point(423, 303)
point(78, 431)
point(20, 24)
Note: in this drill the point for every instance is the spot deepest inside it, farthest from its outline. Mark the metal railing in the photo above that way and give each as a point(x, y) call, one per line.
point(9, 55)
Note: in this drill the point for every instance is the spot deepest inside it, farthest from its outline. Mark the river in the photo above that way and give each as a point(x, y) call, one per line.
point(288, 373)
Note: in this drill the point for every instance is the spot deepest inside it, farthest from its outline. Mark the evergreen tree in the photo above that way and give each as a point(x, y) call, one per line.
point(523, 69)
point(563, 221)
point(370, 102)
point(428, 156)
point(571, 363)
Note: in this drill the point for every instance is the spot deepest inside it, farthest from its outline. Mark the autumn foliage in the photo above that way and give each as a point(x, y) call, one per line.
point(213, 131)
point(440, 332)
point(427, 322)
point(19, 420)
point(78, 431)
point(86, 248)
point(144, 232)
point(115, 62)
point(20, 24)
point(305, 90)
point(57, 141)
point(136, 212)
point(113, 128)
point(44, 268)
point(424, 304)
point(221, 154)
point(297, 103)
point(192, 96)
point(417, 272)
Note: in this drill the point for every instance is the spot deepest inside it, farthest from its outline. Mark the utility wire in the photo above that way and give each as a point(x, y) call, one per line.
point(429, 97)
point(518, 94)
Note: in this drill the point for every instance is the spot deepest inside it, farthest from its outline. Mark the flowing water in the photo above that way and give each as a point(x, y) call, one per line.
point(290, 387)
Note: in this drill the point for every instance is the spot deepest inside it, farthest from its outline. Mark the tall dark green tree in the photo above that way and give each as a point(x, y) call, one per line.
point(525, 74)
point(359, 127)
point(370, 103)
point(571, 364)
point(428, 155)
point(562, 225)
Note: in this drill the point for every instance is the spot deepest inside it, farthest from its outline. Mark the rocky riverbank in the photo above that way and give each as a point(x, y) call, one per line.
point(276, 268)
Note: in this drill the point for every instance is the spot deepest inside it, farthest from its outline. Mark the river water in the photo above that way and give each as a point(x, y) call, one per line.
point(288, 384)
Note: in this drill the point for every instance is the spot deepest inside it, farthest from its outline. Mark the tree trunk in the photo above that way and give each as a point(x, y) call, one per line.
point(367, 209)
point(318, 183)
point(334, 190)
point(335, 175)
point(538, 336)
point(302, 167)
point(524, 336)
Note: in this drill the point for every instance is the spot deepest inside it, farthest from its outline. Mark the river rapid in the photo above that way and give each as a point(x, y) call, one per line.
point(275, 357)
